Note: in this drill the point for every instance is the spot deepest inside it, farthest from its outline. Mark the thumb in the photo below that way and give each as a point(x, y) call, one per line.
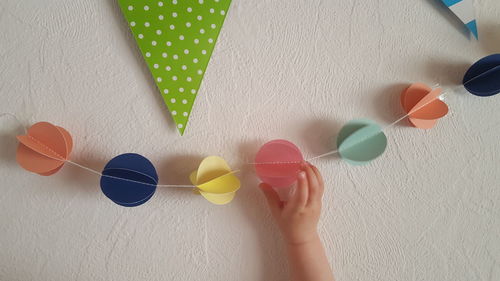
point(273, 200)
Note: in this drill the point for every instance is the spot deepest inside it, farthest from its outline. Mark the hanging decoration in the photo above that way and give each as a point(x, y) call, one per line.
point(278, 163)
point(361, 141)
point(131, 180)
point(215, 181)
point(44, 149)
point(483, 77)
point(176, 39)
point(464, 10)
point(426, 116)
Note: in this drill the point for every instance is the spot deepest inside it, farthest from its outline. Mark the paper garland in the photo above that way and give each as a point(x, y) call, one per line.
point(44, 149)
point(277, 163)
point(361, 141)
point(483, 77)
point(464, 10)
point(215, 180)
point(176, 39)
point(413, 99)
point(131, 180)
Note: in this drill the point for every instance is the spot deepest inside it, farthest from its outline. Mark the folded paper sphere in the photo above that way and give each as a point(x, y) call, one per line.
point(423, 106)
point(277, 163)
point(483, 77)
point(129, 180)
point(215, 181)
point(44, 149)
point(360, 141)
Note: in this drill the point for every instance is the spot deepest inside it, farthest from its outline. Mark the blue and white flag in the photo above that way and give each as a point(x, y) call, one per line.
point(464, 10)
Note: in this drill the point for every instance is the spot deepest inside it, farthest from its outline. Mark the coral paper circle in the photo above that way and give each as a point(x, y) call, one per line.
point(423, 105)
point(277, 163)
point(44, 149)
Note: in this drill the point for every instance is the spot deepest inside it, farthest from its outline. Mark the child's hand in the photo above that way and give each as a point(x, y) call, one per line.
point(298, 218)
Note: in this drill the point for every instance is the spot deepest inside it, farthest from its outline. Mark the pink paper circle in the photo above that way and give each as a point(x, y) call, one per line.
point(277, 163)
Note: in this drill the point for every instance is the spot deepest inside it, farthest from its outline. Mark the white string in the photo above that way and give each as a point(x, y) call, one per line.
point(413, 111)
point(250, 163)
point(84, 167)
point(359, 141)
point(323, 155)
point(118, 178)
point(15, 118)
point(88, 168)
point(481, 74)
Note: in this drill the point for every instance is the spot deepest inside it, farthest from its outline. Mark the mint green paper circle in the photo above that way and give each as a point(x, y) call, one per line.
point(360, 141)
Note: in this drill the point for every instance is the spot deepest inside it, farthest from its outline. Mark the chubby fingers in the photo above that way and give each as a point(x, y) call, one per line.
point(313, 183)
point(320, 189)
point(316, 186)
point(273, 200)
point(298, 200)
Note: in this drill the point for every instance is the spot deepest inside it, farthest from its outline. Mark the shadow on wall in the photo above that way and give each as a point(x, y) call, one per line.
point(387, 101)
point(85, 180)
point(320, 136)
point(452, 19)
point(8, 141)
point(128, 39)
point(444, 72)
point(176, 170)
point(69, 175)
point(253, 206)
point(489, 38)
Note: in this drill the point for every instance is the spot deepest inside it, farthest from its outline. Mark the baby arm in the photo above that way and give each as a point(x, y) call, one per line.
point(297, 220)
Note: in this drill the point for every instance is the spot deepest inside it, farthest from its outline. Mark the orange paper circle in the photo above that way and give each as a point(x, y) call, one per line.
point(423, 105)
point(44, 149)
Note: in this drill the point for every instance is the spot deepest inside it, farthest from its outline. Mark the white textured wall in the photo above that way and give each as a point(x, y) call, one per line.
point(428, 209)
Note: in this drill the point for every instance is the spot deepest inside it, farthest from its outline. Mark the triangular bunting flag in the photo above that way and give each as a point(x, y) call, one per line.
point(176, 39)
point(464, 10)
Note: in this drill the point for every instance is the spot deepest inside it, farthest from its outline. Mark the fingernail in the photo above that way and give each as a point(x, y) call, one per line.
point(302, 175)
point(263, 185)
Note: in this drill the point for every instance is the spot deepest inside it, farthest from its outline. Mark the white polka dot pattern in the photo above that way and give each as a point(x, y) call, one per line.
point(177, 39)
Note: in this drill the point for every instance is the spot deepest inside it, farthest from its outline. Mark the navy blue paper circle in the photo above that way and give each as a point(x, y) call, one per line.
point(129, 180)
point(483, 77)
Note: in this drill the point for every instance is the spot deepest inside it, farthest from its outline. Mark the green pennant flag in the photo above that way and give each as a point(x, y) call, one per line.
point(176, 38)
